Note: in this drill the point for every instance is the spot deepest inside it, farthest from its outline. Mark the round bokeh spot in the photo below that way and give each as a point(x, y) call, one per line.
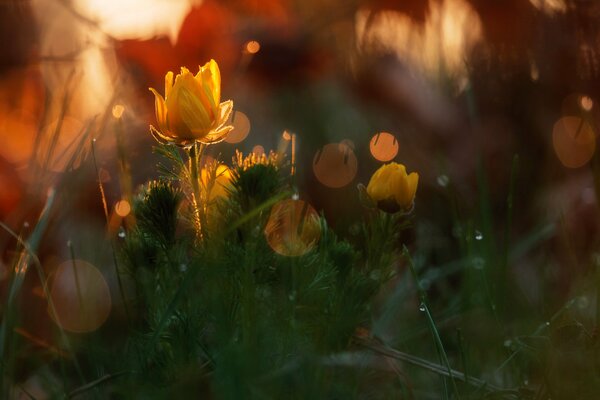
point(574, 141)
point(384, 146)
point(293, 228)
point(81, 297)
point(335, 165)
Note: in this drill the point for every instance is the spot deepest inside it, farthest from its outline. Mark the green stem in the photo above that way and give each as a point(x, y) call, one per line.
point(425, 308)
point(195, 154)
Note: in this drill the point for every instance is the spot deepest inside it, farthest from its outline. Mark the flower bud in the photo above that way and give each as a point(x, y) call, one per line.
point(392, 189)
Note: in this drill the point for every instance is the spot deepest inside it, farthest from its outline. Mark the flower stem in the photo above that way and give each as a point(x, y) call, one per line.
point(195, 154)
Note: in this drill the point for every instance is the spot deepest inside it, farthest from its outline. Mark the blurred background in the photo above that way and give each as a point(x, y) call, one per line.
point(493, 103)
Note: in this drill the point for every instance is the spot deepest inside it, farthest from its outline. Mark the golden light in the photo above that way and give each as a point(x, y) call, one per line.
point(124, 19)
point(440, 44)
point(117, 111)
point(241, 127)
point(81, 297)
point(258, 150)
point(384, 146)
point(286, 136)
point(335, 165)
point(252, 47)
point(574, 141)
point(17, 137)
point(122, 208)
point(216, 185)
point(550, 6)
point(586, 103)
point(59, 142)
point(293, 228)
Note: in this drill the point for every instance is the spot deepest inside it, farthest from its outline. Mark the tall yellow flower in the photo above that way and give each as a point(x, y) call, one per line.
point(191, 110)
point(392, 188)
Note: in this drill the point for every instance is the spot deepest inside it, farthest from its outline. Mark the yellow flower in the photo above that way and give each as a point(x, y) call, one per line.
point(191, 109)
point(392, 189)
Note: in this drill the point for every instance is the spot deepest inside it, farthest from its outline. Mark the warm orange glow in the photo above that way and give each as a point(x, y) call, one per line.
point(293, 228)
point(586, 103)
point(252, 47)
point(216, 180)
point(335, 165)
point(80, 296)
point(286, 136)
point(241, 127)
point(59, 142)
point(384, 146)
point(258, 150)
point(137, 18)
point(117, 110)
point(574, 141)
point(550, 6)
point(440, 44)
point(122, 208)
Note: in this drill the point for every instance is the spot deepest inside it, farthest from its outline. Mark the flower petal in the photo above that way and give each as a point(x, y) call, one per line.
point(195, 88)
point(160, 109)
point(193, 113)
point(168, 83)
point(176, 126)
point(413, 182)
point(211, 78)
point(159, 136)
point(225, 109)
point(216, 136)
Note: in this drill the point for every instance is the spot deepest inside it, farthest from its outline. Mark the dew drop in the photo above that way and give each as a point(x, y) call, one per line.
point(121, 233)
point(295, 196)
point(26, 224)
point(507, 343)
point(443, 180)
point(478, 235)
point(422, 307)
point(292, 296)
point(182, 267)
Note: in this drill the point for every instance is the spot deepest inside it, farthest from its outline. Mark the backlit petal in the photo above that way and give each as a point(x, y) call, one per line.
point(192, 112)
point(216, 136)
point(160, 109)
point(168, 83)
point(175, 124)
point(225, 109)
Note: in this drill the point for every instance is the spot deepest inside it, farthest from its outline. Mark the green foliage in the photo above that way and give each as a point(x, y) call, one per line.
point(242, 320)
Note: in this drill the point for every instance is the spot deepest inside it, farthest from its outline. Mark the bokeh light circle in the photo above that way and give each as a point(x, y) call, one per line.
point(252, 47)
point(586, 103)
point(81, 297)
point(335, 165)
point(574, 141)
point(293, 228)
point(241, 127)
point(118, 110)
point(122, 208)
point(384, 146)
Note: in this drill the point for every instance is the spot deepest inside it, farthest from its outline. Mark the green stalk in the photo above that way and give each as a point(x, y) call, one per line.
point(195, 155)
point(424, 307)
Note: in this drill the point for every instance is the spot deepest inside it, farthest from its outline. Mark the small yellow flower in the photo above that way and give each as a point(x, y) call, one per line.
point(392, 188)
point(191, 110)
